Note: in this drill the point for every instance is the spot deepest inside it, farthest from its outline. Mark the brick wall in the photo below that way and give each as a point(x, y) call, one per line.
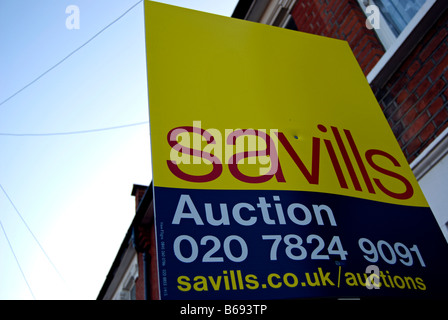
point(140, 281)
point(139, 192)
point(415, 98)
point(340, 19)
point(154, 294)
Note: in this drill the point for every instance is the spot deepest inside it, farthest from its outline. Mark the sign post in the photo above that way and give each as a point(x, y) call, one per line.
point(276, 175)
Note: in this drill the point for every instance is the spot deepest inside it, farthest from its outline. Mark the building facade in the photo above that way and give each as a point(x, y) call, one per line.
point(133, 274)
point(402, 48)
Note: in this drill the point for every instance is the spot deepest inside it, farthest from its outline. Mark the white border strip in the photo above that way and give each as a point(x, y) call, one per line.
point(431, 155)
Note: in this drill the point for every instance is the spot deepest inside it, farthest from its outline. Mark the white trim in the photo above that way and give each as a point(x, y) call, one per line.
point(384, 33)
point(289, 6)
point(128, 266)
point(274, 16)
point(249, 11)
point(274, 8)
point(404, 35)
point(431, 155)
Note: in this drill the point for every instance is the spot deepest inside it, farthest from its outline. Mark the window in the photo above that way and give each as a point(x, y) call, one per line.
point(277, 13)
point(132, 293)
point(395, 16)
point(398, 13)
point(129, 292)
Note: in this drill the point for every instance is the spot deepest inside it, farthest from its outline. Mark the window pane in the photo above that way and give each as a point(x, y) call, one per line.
point(133, 293)
point(398, 13)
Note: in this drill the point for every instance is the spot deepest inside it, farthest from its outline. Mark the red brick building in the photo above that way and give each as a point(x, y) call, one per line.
point(405, 62)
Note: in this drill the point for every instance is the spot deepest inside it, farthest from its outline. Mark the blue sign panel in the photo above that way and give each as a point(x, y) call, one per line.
point(255, 244)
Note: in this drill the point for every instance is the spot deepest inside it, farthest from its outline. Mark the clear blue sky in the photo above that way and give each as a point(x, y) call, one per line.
point(73, 191)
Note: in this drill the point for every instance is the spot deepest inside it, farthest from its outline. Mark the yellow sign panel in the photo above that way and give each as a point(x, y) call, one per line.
point(275, 172)
point(297, 104)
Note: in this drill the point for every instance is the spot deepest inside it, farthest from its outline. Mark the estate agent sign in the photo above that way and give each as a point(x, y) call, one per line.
point(275, 172)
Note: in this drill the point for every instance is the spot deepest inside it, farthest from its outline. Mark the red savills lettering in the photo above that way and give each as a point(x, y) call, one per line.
point(409, 191)
point(333, 140)
point(269, 151)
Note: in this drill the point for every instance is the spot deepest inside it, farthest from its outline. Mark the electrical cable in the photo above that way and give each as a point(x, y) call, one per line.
point(72, 132)
point(54, 134)
point(32, 233)
point(69, 55)
point(17, 260)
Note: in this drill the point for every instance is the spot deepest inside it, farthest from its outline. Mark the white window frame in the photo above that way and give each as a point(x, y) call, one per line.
point(406, 41)
point(424, 163)
point(384, 33)
point(430, 156)
point(273, 10)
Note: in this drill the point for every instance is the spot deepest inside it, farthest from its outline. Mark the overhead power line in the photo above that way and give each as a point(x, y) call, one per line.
point(69, 55)
point(32, 233)
point(17, 260)
point(72, 132)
